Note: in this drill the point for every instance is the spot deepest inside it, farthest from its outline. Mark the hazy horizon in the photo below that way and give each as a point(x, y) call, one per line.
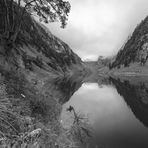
point(100, 27)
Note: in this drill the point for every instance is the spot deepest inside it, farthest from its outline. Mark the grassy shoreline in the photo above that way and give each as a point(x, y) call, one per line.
point(34, 103)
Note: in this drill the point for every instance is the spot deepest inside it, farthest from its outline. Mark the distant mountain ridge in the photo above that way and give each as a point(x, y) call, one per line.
point(136, 48)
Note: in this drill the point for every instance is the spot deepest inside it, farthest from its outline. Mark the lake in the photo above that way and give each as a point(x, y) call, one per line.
point(117, 110)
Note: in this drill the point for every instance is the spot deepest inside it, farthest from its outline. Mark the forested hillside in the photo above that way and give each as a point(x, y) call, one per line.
point(135, 49)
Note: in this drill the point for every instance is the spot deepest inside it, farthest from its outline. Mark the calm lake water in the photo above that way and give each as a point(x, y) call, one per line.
point(116, 109)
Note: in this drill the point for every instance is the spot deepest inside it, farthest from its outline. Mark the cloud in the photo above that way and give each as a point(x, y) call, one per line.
point(100, 27)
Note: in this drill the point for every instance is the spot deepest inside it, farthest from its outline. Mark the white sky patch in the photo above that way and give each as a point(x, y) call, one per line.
point(88, 21)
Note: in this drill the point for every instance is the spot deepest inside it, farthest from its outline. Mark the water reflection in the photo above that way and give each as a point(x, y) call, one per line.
point(66, 87)
point(136, 97)
point(117, 110)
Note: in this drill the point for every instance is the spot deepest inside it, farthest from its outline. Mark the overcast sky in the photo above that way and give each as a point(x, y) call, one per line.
point(100, 27)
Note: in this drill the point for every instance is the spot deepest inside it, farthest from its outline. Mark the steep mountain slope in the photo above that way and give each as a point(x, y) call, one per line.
point(36, 48)
point(136, 48)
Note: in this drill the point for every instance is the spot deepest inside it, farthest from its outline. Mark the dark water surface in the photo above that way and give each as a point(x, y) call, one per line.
point(117, 110)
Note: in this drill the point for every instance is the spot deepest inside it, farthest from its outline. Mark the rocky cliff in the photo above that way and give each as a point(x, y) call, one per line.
point(136, 48)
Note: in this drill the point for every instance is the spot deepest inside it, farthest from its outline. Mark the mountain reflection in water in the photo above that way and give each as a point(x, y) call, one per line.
point(117, 110)
point(136, 97)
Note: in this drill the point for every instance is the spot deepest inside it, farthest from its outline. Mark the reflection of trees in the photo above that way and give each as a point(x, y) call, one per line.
point(67, 87)
point(136, 96)
point(103, 81)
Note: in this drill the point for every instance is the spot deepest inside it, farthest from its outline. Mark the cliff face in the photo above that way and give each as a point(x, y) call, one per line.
point(136, 48)
point(37, 48)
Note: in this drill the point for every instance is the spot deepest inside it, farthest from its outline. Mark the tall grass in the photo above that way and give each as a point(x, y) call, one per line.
point(29, 119)
point(13, 129)
point(7, 117)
